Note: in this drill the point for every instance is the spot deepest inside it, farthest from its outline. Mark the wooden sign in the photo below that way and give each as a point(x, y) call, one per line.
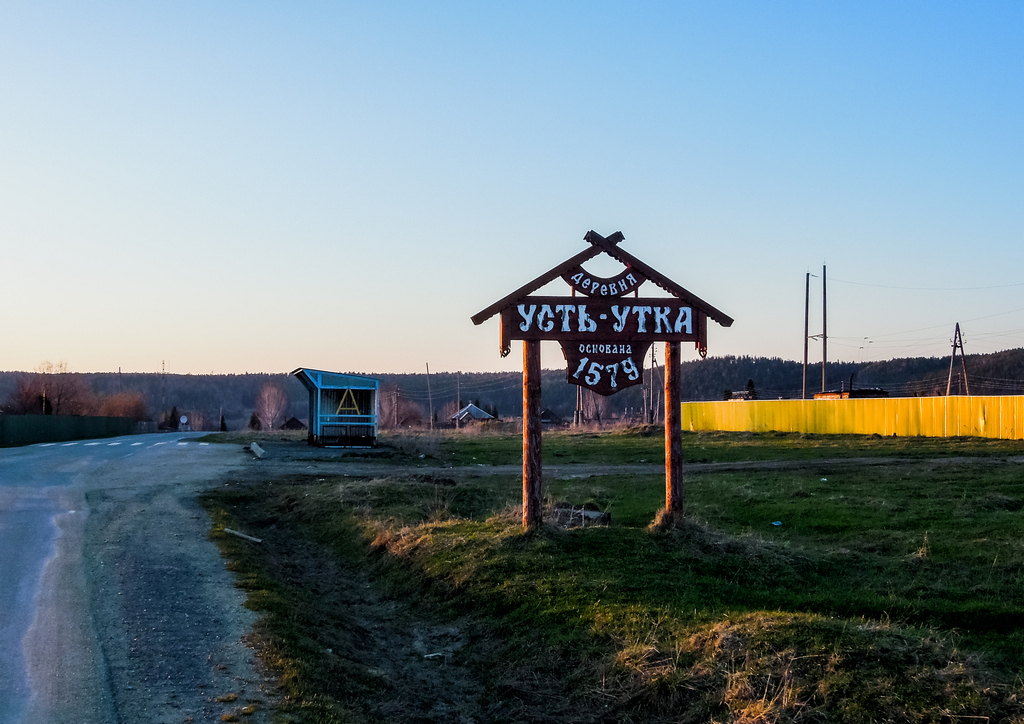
point(605, 367)
point(599, 320)
point(604, 336)
point(585, 283)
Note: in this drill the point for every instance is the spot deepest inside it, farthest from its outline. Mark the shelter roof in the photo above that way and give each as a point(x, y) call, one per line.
point(609, 246)
point(322, 380)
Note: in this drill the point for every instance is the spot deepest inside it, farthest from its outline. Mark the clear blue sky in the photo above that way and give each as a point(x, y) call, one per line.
point(260, 186)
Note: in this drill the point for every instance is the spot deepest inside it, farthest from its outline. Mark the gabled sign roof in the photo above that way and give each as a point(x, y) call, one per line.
point(609, 246)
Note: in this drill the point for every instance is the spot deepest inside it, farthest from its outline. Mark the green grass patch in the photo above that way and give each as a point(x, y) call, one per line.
point(646, 444)
point(887, 592)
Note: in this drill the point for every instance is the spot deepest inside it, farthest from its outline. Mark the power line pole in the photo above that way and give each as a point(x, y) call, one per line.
point(651, 412)
point(430, 399)
point(807, 314)
point(824, 333)
point(458, 397)
point(958, 343)
point(655, 403)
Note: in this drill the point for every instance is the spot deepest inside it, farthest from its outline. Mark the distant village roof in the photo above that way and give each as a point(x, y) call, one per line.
point(293, 423)
point(471, 412)
point(550, 417)
point(841, 394)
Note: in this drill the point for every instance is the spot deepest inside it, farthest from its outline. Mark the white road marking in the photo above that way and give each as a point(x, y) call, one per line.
point(136, 443)
point(69, 444)
point(204, 443)
point(90, 444)
point(182, 444)
point(46, 444)
point(111, 444)
point(158, 443)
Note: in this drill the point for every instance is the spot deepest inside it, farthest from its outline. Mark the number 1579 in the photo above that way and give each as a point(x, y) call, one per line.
point(592, 374)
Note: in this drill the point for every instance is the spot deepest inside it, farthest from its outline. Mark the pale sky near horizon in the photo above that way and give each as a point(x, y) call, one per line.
point(252, 186)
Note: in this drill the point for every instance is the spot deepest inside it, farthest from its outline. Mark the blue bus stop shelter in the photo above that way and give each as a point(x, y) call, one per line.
point(343, 409)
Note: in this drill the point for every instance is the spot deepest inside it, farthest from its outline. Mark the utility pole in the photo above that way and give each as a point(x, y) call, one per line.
point(643, 396)
point(458, 397)
point(651, 411)
point(807, 314)
point(430, 399)
point(655, 402)
point(824, 333)
point(958, 343)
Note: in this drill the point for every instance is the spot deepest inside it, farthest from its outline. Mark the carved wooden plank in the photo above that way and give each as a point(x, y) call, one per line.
point(549, 276)
point(657, 277)
point(604, 372)
point(586, 283)
point(601, 320)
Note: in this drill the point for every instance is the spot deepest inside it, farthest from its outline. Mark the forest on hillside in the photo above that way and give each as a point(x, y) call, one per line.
point(412, 399)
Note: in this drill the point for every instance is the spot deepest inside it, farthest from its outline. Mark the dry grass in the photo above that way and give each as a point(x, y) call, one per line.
point(733, 620)
point(775, 668)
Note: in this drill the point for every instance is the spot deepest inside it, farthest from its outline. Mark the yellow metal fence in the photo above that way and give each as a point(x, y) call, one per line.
point(995, 416)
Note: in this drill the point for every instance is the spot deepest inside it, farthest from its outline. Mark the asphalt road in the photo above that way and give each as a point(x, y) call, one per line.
point(114, 605)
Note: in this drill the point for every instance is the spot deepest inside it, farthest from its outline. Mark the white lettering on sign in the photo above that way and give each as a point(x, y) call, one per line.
point(606, 349)
point(524, 326)
point(641, 318)
point(545, 319)
point(598, 287)
point(587, 324)
point(594, 370)
point(565, 310)
point(616, 319)
point(684, 321)
point(661, 316)
point(620, 319)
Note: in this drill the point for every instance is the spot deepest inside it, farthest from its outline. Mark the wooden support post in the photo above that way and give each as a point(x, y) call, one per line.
point(674, 493)
point(531, 435)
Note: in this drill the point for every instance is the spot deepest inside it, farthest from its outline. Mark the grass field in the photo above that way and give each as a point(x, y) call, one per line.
point(867, 579)
point(647, 444)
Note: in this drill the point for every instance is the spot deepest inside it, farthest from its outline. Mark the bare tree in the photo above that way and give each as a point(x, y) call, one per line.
point(398, 411)
point(64, 393)
point(27, 398)
point(197, 420)
point(271, 404)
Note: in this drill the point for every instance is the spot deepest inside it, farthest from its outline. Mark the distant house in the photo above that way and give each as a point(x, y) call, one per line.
point(470, 413)
point(851, 394)
point(550, 417)
point(293, 423)
point(343, 409)
point(841, 394)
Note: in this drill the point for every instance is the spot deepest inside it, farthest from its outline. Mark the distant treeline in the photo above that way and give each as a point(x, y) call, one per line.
point(410, 398)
